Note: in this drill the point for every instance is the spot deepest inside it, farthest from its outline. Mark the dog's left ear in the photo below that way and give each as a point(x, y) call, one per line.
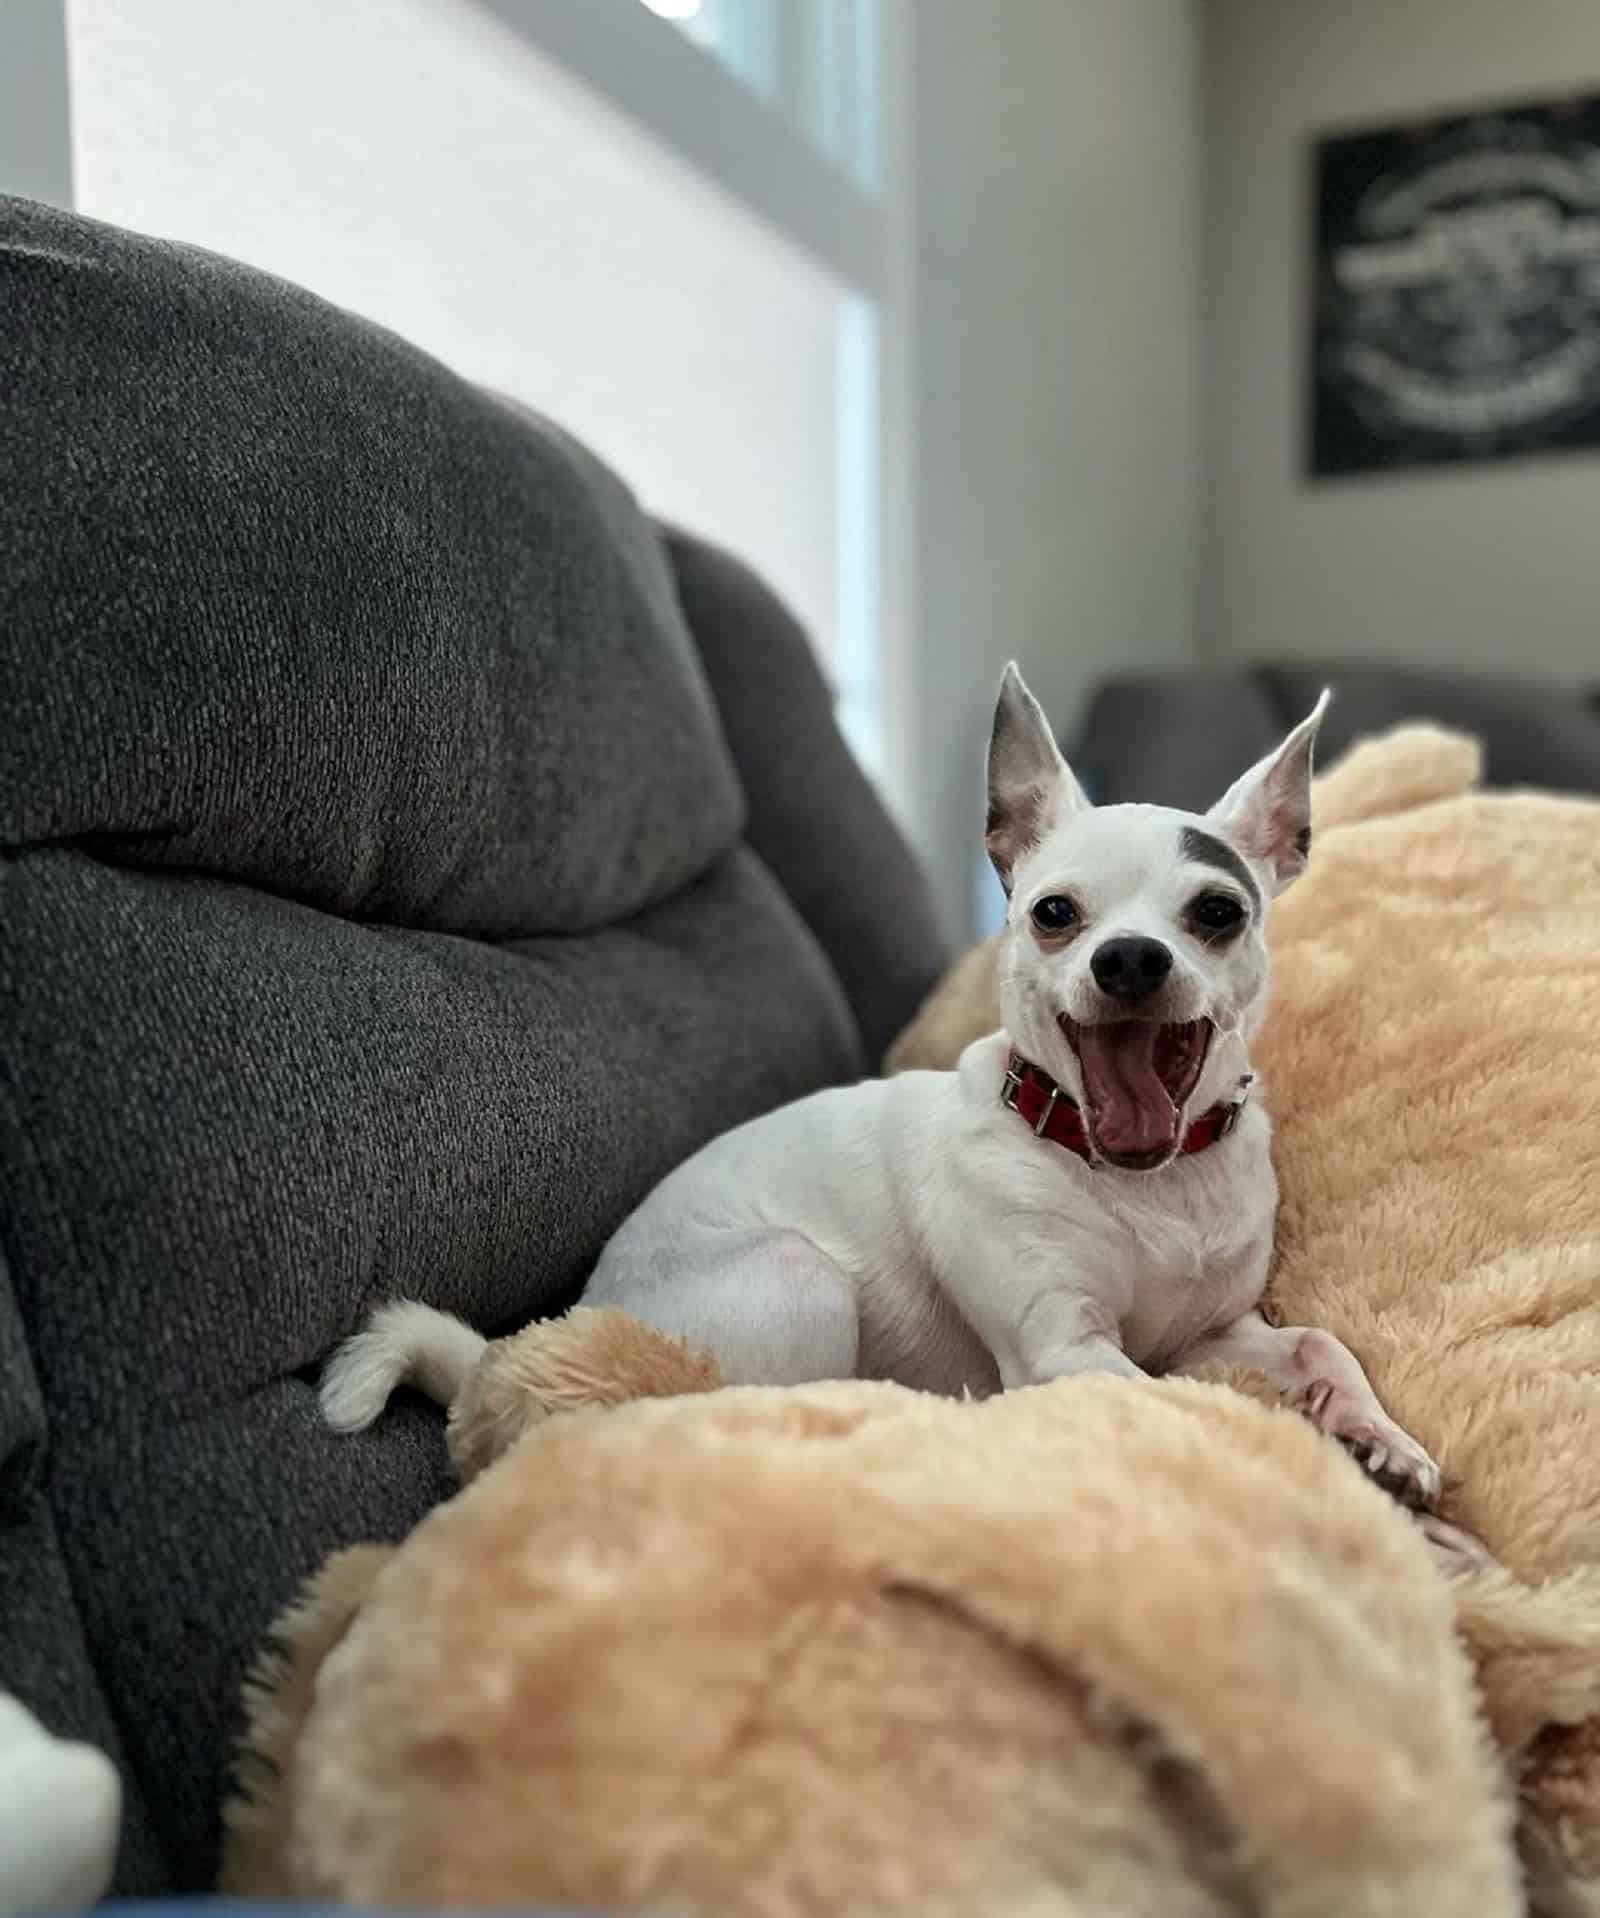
point(1267, 813)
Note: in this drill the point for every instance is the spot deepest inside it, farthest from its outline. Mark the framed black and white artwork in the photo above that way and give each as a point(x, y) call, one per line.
point(1457, 289)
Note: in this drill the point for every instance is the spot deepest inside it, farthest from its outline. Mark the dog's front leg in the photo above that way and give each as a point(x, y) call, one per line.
point(1313, 1370)
point(1059, 1333)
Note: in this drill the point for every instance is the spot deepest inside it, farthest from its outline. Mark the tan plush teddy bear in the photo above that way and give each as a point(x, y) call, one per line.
point(1099, 1648)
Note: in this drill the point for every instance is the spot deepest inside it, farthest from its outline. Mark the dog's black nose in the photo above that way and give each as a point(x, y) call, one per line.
point(1130, 969)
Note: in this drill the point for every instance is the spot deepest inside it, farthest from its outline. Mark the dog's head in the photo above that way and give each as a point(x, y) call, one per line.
point(1135, 935)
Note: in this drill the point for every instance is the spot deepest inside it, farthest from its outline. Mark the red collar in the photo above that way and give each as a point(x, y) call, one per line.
point(1033, 1095)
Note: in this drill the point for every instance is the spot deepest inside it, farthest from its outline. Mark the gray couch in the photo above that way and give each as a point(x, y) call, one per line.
point(1180, 739)
point(407, 854)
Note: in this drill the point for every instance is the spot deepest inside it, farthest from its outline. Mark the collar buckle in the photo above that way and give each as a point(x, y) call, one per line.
point(1011, 1095)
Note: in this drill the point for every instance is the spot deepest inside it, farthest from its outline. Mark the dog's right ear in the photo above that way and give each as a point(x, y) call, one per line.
point(1031, 787)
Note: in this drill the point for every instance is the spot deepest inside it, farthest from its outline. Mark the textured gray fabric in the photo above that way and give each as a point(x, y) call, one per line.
point(374, 920)
point(1180, 739)
point(46, 1663)
point(397, 592)
point(43, 1657)
point(811, 815)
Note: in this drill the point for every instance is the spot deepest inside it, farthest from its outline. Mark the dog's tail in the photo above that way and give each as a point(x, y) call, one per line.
point(404, 1344)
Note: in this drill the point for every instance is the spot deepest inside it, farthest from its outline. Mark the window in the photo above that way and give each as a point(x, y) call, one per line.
point(816, 62)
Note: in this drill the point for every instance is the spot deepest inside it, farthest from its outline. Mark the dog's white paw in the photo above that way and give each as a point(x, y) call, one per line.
point(1387, 1455)
point(1397, 1463)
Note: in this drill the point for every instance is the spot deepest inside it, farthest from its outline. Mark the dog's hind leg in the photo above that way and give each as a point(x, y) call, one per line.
point(1315, 1372)
point(758, 1309)
point(768, 1305)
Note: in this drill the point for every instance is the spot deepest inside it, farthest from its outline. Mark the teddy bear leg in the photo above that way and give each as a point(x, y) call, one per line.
point(586, 1358)
point(278, 1699)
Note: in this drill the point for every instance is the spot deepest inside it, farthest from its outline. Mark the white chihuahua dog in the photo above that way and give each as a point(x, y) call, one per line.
point(1091, 1189)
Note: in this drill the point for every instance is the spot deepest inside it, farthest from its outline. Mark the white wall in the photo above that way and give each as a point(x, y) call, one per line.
point(1480, 566)
point(1056, 410)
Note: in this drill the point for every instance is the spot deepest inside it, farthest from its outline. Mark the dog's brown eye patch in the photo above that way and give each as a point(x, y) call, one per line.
point(1216, 916)
point(1055, 915)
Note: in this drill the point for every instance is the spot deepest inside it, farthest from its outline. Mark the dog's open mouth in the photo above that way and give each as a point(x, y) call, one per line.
point(1138, 1078)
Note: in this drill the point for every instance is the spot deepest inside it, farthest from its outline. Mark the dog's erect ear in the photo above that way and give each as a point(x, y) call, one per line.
point(1267, 813)
point(1031, 787)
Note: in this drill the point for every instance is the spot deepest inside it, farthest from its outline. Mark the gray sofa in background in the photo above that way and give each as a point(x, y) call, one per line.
point(1180, 739)
point(408, 853)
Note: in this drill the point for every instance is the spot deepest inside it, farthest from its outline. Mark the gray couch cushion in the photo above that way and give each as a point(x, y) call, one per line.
point(374, 920)
point(358, 675)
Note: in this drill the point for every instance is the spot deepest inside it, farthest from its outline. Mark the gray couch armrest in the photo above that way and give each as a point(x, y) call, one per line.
point(814, 817)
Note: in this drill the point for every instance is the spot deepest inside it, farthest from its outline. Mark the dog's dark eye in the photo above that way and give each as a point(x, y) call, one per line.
point(1217, 912)
point(1055, 913)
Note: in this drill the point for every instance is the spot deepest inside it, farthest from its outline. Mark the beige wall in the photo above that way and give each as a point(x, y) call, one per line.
point(1485, 565)
point(1055, 406)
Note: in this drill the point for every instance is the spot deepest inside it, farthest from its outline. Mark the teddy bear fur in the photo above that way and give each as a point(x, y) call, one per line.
point(1092, 1648)
point(1109, 1647)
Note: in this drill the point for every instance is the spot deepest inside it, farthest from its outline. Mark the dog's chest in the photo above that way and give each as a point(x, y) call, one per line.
point(1172, 1309)
point(1190, 1270)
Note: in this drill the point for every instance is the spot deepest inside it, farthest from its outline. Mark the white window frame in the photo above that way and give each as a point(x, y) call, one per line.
point(650, 69)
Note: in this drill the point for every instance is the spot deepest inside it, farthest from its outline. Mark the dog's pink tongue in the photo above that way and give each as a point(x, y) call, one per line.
point(1129, 1108)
